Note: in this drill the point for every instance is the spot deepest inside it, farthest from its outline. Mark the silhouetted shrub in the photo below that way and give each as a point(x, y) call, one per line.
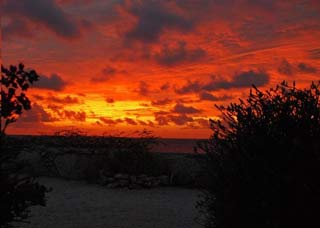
point(264, 161)
point(127, 155)
point(17, 192)
point(133, 156)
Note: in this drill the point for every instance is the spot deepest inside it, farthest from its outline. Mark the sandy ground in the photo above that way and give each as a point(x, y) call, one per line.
point(74, 204)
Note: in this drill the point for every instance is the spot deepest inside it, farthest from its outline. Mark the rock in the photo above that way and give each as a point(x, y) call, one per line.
point(113, 185)
point(164, 180)
point(149, 179)
point(133, 179)
point(147, 184)
point(142, 176)
point(123, 183)
point(110, 179)
point(139, 182)
point(66, 165)
point(155, 183)
point(103, 181)
point(105, 173)
point(121, 176)
point(134, 186)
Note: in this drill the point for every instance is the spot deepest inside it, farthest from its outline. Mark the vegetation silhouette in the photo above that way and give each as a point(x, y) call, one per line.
point(18, 192)
point(263, 160)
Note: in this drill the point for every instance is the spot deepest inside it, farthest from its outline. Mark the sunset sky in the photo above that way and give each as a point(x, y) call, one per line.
point(108, 66)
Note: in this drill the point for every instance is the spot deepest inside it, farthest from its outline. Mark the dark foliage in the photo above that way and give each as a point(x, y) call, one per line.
point(17, 192)
point(128, 155)
point(264, 161)
point(14, 82)
point(133, 156)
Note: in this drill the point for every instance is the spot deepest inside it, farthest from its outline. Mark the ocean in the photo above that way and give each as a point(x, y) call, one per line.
point(177, 145)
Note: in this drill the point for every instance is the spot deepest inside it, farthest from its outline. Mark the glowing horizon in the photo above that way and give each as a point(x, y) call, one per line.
point(126, 65)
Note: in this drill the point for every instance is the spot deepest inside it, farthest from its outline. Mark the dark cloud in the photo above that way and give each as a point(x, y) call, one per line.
point(108, 121)
point(153, 18)
point(161, 120)
point(285, 68)
point(37, 114)
point(60, 100)
point(180, 108)
point(161, 102)
point(44, 12)
point(143, 89)
point(53, 82)
point(240, 80)
point(106, 74)
point(73, 115)
point(205, 96)
point(305, 68)
point(198, 124)
point(58, 110)
point(180, 119)
point(165, 87)
point(55, 108)
point(109, 100)
point(130, 121)
point(170, 56)
point(290, 69)
point(165, 118)
point(17, 28)
point(148, 123)
point(190, 87)
point(204, 123)
point(64, 100)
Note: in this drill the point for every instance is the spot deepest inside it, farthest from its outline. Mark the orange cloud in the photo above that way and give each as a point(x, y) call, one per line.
point(155, 64)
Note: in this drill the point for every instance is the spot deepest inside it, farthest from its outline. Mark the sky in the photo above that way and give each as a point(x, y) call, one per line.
point(113, 66)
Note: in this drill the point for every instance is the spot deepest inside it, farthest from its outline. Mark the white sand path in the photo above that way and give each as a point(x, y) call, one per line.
point(74, 204)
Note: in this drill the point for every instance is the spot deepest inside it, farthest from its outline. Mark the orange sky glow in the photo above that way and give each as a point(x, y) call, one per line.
point(111, 66)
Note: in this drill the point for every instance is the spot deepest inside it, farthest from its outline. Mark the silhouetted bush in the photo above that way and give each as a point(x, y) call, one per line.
point(133, 156)
point(264, 161)
point(128, 155)
point(17, 191)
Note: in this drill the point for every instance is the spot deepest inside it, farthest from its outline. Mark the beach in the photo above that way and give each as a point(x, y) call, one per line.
point(76, 204)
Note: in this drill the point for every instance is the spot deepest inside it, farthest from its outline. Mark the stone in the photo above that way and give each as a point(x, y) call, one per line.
point(164, 180)
point(103, 181)
point(110, 179)
point(142, 176)
point(147, 184)
point(155, 182)
point(134, 186)
point(123, 183)
point(139, 182)
point(133, 179)
point(113, 185)
point(121, 176)
point(149, 179)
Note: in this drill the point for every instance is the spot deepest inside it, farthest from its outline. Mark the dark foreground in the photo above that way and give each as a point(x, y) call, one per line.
point(74, 204)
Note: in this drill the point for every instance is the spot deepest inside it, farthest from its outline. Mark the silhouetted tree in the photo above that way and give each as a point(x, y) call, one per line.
point(264, 161)
point(14, 82)
point(17, 193)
